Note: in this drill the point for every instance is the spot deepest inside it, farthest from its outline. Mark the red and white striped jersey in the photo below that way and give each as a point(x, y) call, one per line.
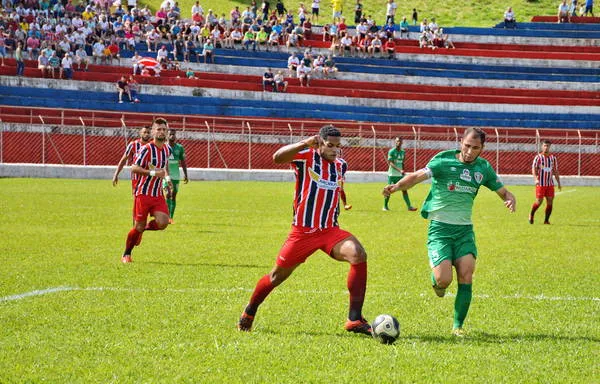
point(544, 167)
point(151, 157)
point(318, 184)
point(130, 151)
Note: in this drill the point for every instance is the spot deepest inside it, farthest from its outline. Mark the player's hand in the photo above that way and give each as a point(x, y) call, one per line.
point(510, 202)
point(313, 142)
point(537, 181)
point(185, 180)
point(559, 187)
point(160, 172)
point(115, 180)
point(388, 190)
point(171, 187)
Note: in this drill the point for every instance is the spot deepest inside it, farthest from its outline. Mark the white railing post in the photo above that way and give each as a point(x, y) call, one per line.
point(84, 140)
point(291, 133)
point(497, 151)
point(43, 139)
point(208, 144)
point(537, 140)
point(579, 154)
point(374, 146)
point(1, 141)
point(455, 137)
point(249, 145)
point(414, 148)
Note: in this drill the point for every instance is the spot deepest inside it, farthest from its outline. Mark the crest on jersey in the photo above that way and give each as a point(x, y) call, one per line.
point(478, 177)
point(466, 175)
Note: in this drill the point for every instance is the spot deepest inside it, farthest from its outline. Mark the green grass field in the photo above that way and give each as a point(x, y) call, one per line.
point(170, 316)
point(449, 13)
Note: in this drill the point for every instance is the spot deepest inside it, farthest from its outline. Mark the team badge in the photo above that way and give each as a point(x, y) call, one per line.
point(478, 177)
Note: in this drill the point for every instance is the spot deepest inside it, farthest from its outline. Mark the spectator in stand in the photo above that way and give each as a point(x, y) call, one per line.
point(280, 83)
point(293, 63)
point(197, 9)
point(424, 26)
point(563, 12)
point(364, 45)
point(329, 68)
point(54, 63)
point(249, 39)
point(162, 56)
point(573, 8)
point(433, 26)
point(390, 11)
point(268, 80)
point(358, 12)
point(208, 51)
point(135, 62)
point(273, 40)
point(235, 15)
point(190, 74)
point(292, 41)
point(134, 88)
point(261, 39)
point(342, 28)
point(81, 58)
point(43, 65)
point(589, 8)
point(390, 48)
point(33, 46)
point(123, 88)
point(362, 29)
point(375, 47)
point(19, 59)
point(389, 31)
point(346, 44)
point(301, 14)
point(307, 26)
point(337, 10)
point(509, 19)
point(404, 28)
point(152, 40)
point(66, 66)
point(236, 37)
point(191, 50)
point(303, 74)
point(113, 52)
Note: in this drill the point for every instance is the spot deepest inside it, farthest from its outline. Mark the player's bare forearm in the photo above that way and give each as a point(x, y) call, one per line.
point(509, 199)
point(120, 166)
point(286, 154)
point(185, 173)
point(407, 182)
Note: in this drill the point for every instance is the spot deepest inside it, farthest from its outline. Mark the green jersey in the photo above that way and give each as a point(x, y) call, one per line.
point(177, 155)
point(454, 186)
point(396, 157)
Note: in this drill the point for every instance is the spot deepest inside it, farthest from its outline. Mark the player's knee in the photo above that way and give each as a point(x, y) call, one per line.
point(443, 281)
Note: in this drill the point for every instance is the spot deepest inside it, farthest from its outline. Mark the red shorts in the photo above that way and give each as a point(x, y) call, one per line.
point(145, 205)
point(544, 191)
point(303, 242)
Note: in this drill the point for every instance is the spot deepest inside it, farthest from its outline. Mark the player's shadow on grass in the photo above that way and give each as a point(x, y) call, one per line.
point(488, 338)
point(216, 265)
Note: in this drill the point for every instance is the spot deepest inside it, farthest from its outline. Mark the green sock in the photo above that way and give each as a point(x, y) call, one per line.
point(386, 200)
point(406, 200)
point(462, 303)
point(170, 205)
point(173, 205)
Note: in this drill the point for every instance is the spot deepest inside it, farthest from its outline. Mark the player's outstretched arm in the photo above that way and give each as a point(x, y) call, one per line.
point(509, 199)
point(407, 182)
point(286, 154)
point(184, 167)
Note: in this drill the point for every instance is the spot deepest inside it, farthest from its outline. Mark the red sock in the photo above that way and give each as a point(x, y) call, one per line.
point(261, 291)
point(357, 285)
point(152, 226)
point(132, 240)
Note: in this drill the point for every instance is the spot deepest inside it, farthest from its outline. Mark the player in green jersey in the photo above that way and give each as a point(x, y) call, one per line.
point(396, 173)
point(176, 160)
point(456, 176)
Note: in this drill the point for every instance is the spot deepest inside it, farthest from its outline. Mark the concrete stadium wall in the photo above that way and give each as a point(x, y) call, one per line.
point(106, 173)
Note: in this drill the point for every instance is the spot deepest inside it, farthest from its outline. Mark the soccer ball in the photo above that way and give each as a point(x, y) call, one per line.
point(386, 329)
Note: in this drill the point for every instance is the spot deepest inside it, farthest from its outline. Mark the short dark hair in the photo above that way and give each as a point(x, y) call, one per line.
point(546, 141)
point(160, 120)
point(329, 130)
point(477, 132)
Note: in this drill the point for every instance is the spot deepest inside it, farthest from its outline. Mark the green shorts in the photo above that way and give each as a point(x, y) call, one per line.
point(449, 242)
point(175, 185)
point(394, 179)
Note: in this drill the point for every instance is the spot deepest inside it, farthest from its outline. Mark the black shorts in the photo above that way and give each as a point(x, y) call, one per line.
point(315, 11)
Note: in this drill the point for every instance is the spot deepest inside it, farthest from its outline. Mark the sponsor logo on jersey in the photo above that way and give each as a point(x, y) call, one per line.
point(466, 175)
point(456, 187)
point(322, 183)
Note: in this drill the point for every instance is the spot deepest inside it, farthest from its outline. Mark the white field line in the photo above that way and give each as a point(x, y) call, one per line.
point(41, 292)
point(567, 191)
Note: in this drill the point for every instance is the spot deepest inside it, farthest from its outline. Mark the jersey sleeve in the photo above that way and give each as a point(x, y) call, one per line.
point(129, 149)
point(390, 154)
point(536, 162)
point(435, 165)
point(491, 179)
